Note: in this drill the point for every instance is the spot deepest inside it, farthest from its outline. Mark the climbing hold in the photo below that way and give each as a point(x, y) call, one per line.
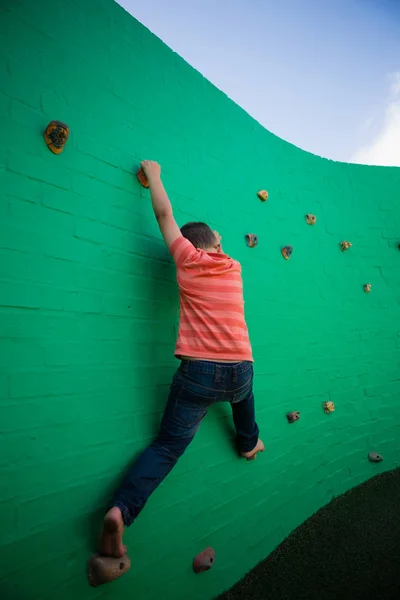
point(328, 406)
point(367, 288)
point(345, 246)
point(311, 219)
point(142, 178)
point(251, 240)
point(286, 252)
point(374, 457)
point(204, 560)
point(103, 569)
point(293, 416)
point(263, 195)
point(56, 136)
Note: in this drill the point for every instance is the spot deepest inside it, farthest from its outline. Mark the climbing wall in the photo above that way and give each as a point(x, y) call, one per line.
point(89, 310)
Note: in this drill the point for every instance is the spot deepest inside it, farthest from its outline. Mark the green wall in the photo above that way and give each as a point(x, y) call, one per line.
point(89, 310)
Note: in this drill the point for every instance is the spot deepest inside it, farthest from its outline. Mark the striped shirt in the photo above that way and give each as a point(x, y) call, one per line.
point(212, 324)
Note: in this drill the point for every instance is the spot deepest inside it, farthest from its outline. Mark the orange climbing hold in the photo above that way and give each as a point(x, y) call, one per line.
point(142, 178)
point(328, 406)
point(103, 569)
point(251, 240)
point(345, 246)
point(56, 136)
point(204, 561)
point(263, 195)
point(286, 252)
point(311, 219)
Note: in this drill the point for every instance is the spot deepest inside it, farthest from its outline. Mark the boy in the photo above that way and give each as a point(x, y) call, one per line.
point(216, 361)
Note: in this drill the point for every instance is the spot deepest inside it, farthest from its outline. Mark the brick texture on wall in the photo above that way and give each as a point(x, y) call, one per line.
point(88, 310)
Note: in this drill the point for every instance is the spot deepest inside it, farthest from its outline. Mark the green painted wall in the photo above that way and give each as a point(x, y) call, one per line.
point(89, 310)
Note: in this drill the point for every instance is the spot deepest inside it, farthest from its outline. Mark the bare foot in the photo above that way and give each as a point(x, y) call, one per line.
point(253, 453)
point(111, 535)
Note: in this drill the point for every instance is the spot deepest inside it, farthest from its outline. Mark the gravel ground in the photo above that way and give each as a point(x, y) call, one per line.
point(350, 549)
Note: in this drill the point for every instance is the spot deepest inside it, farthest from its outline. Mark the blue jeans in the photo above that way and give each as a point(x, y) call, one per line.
point(196, 386)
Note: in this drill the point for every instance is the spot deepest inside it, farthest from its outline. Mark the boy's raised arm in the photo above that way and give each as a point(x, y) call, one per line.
point(161, 204)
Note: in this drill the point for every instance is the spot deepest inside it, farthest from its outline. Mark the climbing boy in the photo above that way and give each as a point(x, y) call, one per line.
point(216, 361)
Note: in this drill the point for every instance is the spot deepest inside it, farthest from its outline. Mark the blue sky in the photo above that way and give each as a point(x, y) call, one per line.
point(322, 74)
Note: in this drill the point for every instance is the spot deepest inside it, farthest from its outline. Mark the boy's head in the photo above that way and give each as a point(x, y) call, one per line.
point(202, 236)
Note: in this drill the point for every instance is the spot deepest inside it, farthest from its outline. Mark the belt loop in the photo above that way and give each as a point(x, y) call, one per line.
point(235, 374)
point(217, 378)
point(185, 366)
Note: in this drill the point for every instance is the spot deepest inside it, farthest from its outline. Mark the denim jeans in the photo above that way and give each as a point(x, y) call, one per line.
point(196, 386)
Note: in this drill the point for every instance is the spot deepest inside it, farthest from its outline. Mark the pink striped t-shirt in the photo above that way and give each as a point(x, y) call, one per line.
point(212, 324)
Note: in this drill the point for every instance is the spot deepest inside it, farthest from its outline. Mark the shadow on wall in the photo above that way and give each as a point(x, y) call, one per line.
point(160, 283)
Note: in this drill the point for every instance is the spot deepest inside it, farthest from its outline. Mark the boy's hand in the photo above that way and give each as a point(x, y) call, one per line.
point(219, 238)
point(151, 169)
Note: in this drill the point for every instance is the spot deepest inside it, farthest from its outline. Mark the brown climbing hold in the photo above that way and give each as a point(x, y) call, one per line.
point(293, 416)
point(263, 195)
point(345, 246)
point(311, 219)
point(103, 569)
point(204, 561)
point(56, 136)
point(367, 288)
point(142, 178)
point(251, 240)
point(286, 252)
point(375, 457)
point(328, 406)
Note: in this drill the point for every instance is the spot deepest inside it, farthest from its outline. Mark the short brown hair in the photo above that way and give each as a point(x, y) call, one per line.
point(199, 234)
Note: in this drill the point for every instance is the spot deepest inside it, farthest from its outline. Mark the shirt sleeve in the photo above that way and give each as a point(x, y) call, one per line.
point(183, 252)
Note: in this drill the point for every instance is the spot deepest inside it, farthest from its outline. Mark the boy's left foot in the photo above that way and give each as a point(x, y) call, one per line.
point(111, 535)
point(253, 453)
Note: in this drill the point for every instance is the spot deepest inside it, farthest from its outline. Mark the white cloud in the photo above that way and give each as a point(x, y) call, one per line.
point(368, 123)
point(384, 149)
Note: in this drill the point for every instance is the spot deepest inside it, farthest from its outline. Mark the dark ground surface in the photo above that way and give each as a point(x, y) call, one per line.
point(349, 550)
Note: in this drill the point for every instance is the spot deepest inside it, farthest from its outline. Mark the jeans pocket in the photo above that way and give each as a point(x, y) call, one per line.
point(245, 367)
point(242, 394)
point(190, 407)
point(244, 384)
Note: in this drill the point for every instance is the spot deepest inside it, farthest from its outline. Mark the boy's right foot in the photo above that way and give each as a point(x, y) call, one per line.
point(253, 453)
point(111, 535)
